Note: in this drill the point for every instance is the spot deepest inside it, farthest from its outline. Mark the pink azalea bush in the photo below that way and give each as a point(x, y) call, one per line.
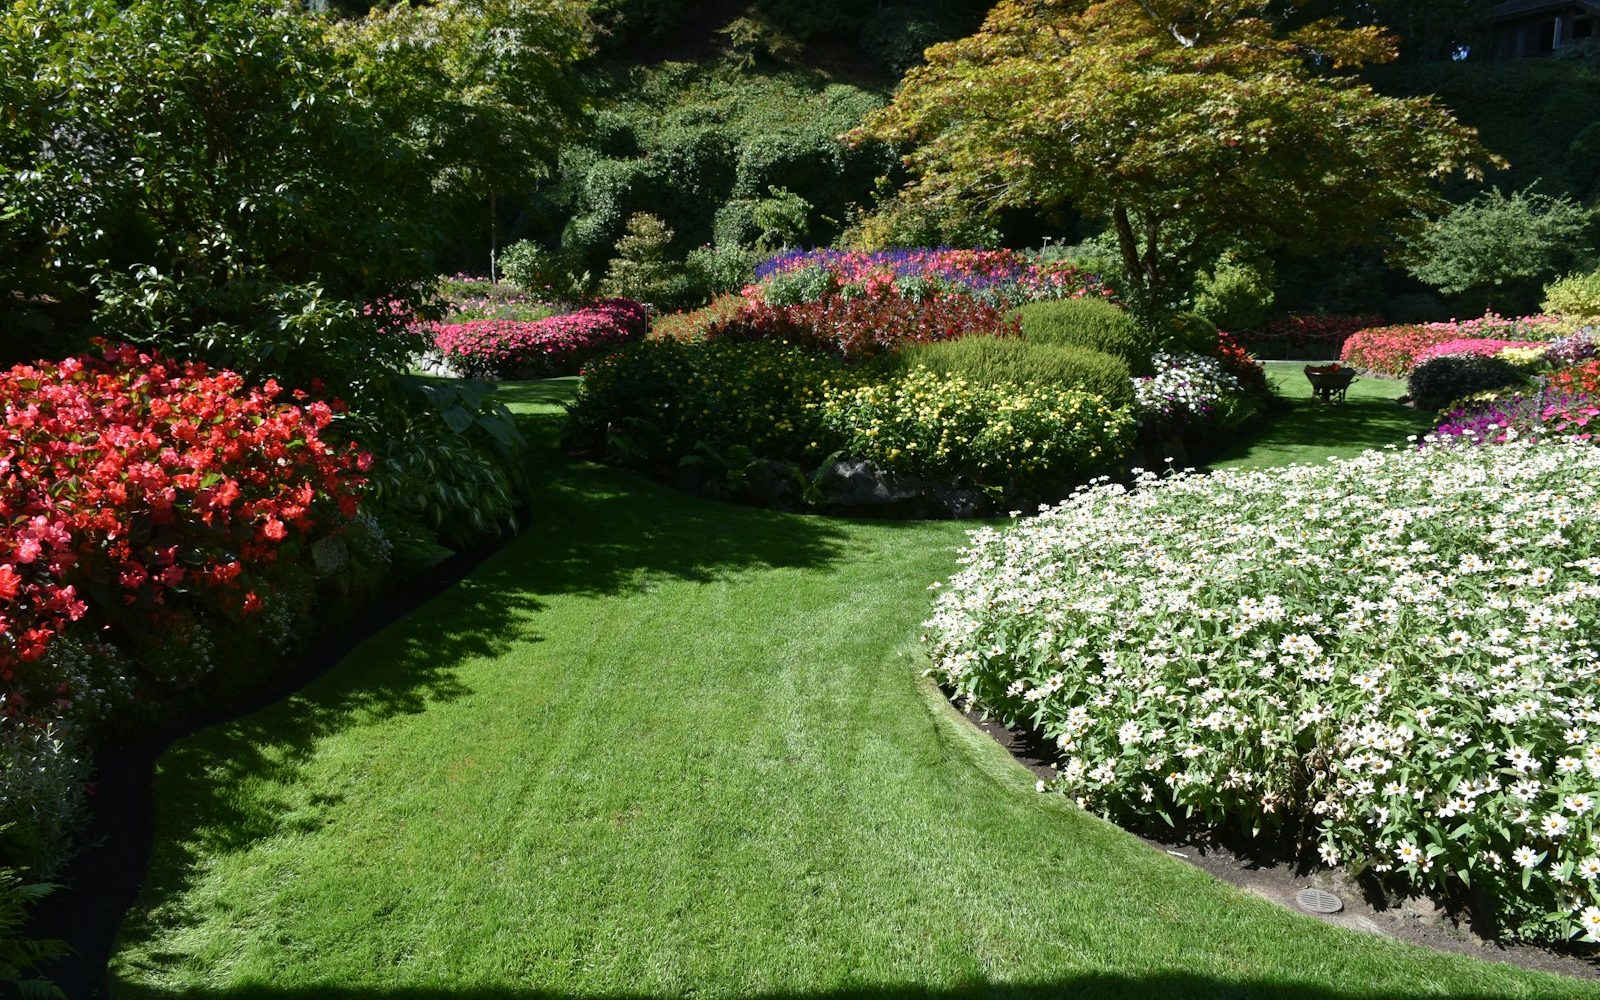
point(557, 345)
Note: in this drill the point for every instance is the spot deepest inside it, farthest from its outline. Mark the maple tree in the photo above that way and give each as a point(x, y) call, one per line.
point(1186, 124)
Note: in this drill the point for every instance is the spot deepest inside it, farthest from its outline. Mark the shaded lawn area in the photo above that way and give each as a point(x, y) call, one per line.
point(665, 747)
point(1313, 431)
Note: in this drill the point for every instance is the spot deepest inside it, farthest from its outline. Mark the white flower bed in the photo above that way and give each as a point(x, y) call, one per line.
point(1184, 387)
point(1397, 650)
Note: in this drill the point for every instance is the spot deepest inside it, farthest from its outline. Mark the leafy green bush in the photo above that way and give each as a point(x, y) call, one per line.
point(1190, 333)
point(1437, 383)
point(455, 471)
point(1087, 322)
point(896, 37)
point(1007, 360)
point(998, 436)
point(710, 271)
point(1235, 294)
point(1574, 295)
point(19, 955)
point(644, 269)
point(1340, 653)
point(1503, 249)
point(653, 404)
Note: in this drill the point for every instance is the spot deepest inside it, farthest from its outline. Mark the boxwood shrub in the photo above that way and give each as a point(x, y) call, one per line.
point(1439, 382)
point(1000, 360)
point(1093, 323)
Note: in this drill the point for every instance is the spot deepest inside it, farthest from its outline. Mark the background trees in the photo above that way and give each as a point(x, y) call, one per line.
point(1185, 126)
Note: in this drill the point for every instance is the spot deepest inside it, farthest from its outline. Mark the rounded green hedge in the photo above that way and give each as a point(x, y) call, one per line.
point(1091, 323)
point(998, 360)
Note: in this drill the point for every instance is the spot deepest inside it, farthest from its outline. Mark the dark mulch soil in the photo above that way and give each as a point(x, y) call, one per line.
point(1276, 874)
point(105, 878)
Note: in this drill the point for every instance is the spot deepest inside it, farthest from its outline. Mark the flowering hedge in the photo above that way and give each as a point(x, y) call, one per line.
point(557, 345)
point(1395, 350)
point(997, 435)
point(1516, 351)
point(1394, 656)
point(878, 317)
point(997, 277)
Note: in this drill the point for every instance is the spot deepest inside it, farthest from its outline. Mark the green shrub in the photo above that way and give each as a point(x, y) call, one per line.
point(1235, 294)
point(1437, 383)
point(802, 284)
point(1088, 322)
point(644, 269)
point(19, 955)
point(1575, 295)
point(1190, 333)
point(1006, 360)
point(653, 404)
point(929, 424)
point(713, 271)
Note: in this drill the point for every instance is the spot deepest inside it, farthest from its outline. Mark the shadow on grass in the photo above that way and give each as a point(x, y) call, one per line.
point(1090, 986)
point(591, 531)
point(1309, 430)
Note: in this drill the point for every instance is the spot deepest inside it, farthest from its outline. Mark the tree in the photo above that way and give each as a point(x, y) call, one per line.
point(1501, 248)
point(644, 268)
point(1187, 125)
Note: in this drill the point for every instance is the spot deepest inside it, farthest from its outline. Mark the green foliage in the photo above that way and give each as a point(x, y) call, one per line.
point(1574, 295)
point(644, 268)
point(934, 221)
point(801, 284)
point(1091, 323)
point(1190, 333)
point(19, 955)
point(895, 37)
point(455, 470)
point(1183, 124)
point(1006, 360)
point(710, 271)
point(702, 148)
point(993, 435)
point(1503, 248)
point(1437, 383)
point(749, 40)
point(782, 218)
point(1235, 294)
point(653, 404)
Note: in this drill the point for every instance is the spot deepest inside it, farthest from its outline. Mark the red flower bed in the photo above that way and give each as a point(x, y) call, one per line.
point(1584, 378)
point(559, 345)
point(1241, 365)
point(129, 479)
point(881, 318)
point(1395, 350)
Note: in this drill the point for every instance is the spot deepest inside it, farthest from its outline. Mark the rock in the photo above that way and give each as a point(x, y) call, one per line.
point(856, 482)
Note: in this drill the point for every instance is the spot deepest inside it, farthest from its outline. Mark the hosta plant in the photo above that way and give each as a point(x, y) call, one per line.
point(1393, 657)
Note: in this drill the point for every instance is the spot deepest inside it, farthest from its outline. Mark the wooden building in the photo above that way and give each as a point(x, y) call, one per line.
point(1543, 27)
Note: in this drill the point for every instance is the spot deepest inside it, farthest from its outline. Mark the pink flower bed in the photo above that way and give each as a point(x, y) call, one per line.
point(1396, 350)
point(1483, 347)
point(559, 345)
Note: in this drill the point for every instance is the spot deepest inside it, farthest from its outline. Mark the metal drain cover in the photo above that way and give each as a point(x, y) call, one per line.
point(1317, 901)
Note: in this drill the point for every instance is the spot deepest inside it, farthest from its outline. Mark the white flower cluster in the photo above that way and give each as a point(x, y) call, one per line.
point(1185, 387)
point(1395, 654)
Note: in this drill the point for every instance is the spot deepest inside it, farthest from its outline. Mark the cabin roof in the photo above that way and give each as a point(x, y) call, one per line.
point(1524, 8)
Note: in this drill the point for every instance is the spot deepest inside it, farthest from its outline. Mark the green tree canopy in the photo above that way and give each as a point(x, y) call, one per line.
point(1186, 124)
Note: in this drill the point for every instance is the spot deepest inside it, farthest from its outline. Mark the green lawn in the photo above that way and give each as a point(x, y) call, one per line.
point(1313, 431)
point(664, 747)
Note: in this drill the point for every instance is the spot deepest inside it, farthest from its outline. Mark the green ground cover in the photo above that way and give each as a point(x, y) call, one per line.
point(659, 746)
point(1312, 431)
